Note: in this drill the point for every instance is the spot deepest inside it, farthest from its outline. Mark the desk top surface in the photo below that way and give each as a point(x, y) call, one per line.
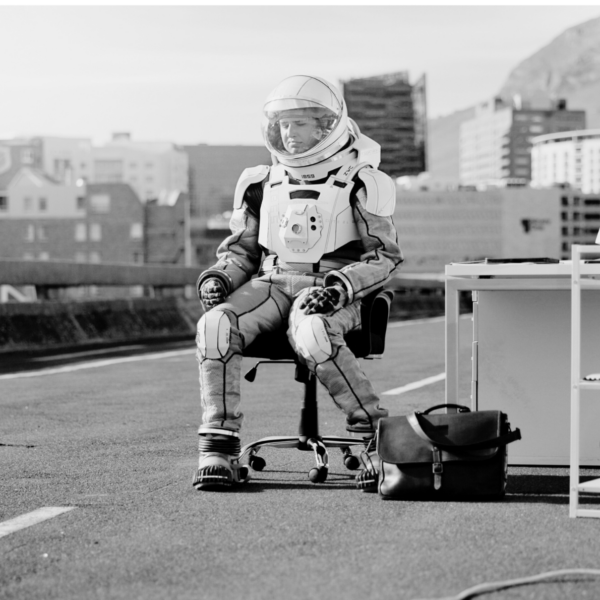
point(525, 269)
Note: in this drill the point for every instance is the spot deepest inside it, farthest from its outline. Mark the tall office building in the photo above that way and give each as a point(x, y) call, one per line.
point(495, 145)
point(390, 110)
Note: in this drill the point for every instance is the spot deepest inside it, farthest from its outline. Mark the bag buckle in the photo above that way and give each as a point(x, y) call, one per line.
point(438, 468)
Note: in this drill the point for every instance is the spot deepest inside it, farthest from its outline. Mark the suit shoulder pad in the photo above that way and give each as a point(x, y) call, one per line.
point(380, 191)
point(247, 178)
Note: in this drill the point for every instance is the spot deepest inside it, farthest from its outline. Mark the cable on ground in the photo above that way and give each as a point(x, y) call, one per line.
point(499, 585)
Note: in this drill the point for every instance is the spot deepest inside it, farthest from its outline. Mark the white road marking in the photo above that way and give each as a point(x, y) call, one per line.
point(415, 385)
point(86, 353)
point(395, 324)
point(96, 364)
point(32, 518)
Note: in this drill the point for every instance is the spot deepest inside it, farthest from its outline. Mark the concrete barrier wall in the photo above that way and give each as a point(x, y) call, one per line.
point(54, 325)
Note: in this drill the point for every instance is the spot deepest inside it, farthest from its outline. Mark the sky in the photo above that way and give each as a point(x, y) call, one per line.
point(195, 74)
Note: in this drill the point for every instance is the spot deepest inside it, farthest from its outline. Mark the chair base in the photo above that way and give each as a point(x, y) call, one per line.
point(318, 445)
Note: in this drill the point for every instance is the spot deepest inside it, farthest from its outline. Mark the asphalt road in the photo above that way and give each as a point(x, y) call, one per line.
point(114, 439)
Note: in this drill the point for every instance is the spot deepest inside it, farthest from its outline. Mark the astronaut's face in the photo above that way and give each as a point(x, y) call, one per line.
point(300, 134)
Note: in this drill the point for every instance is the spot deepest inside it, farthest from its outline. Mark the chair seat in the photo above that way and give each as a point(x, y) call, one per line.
point(275, 346)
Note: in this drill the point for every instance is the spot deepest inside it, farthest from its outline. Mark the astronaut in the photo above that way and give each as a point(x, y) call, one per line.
point(311, 236)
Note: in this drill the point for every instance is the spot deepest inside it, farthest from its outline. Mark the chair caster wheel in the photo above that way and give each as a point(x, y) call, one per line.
point(351, 462)
point(258, 463)
point(318, 474)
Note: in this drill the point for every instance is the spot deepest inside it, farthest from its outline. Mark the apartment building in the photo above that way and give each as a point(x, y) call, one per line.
point(579, 219)
point(495, 145)
point(569, 158)
point(393, 112)
point(155, 170)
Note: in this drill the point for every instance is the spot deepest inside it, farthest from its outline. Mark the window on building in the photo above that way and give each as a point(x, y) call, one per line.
point(30, 233)
point(95, 232)
point(108, 171)
point(138, 257)
point(28, 256)
point(80, 202)
point(100, 203)
point(80, 232)
point(44, 256)
point(27, 204)
point(27, 156)
point(95, 257)
point(80, 257)
point(136, 231)
point(43, 204)
point(3, 203)
point(42, 234)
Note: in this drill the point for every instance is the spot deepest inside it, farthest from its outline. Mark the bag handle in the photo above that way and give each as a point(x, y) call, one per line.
point(501, 440)
point(460, 408)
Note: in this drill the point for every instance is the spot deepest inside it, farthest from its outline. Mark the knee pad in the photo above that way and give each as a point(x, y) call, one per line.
point(213, 334)
point(312, 339)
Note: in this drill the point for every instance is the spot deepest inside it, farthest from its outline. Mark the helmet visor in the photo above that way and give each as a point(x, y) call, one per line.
point(293, 127)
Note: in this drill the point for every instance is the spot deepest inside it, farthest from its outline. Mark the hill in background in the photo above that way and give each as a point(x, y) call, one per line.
point(568, 67)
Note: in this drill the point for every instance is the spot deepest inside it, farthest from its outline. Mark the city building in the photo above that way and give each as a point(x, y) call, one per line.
point(388, 109)
point(495, 145)
point(167, 232)
point(579, 219)
point(65, 159)
point(568, 158)
point(155, 170)
point(214, 173)
point(42, 219)
point(437, 228)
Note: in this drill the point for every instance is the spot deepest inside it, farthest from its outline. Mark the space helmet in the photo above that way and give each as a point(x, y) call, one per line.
point(315, 107)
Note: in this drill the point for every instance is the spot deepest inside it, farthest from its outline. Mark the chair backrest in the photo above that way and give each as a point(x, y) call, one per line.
point(368, 342)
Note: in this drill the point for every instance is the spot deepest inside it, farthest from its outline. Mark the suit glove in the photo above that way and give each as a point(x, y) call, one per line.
point(212, 293)
point(324, 300)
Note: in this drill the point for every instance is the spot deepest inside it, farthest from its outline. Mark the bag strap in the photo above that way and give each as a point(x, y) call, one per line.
point(460, 408)
point(501, 440)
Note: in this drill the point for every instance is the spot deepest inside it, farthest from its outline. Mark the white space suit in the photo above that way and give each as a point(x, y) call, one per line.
point(316, 229)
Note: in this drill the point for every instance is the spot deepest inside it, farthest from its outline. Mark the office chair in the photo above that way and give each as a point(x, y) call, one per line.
point(273, 347)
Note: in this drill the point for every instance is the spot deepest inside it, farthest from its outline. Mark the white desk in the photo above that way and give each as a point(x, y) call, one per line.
point(521, 353)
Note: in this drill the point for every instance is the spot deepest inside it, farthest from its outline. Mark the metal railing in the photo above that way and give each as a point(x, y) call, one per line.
point(55, 273)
